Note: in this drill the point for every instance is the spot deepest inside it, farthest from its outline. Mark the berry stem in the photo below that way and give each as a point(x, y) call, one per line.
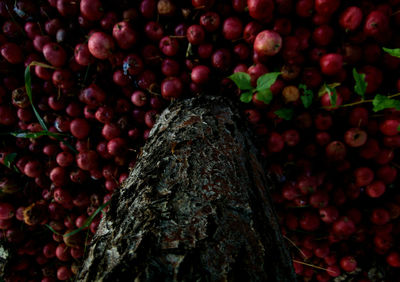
point(311, 265)
point(359, 102)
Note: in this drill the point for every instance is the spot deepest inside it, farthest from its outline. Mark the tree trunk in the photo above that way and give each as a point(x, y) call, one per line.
point(194, 208)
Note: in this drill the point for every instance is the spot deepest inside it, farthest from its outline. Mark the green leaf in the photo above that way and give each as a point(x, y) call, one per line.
point(284, 113)
point(381, 102)
point(361, 85)
point(307, 96)
point(265, 81)
point(28, 87)
point(189, 51)
point(58, 137)
point(398, 128)
point(28, 134)
point(392, 52)
point(246, 97)
point(330, 89)
point(265, 96)
point(242, 80)
point(43, 65)
point(327, 88)
point(88, 221)
point(52, 229)
point(9, 158)
point(332, 96)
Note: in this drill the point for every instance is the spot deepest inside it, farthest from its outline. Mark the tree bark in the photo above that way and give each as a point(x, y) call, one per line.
point(194, 208)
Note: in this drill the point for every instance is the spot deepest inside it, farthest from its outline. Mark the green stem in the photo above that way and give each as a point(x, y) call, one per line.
point(358, 102)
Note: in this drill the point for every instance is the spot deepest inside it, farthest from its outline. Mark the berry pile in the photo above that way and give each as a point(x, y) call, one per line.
point(82, 83)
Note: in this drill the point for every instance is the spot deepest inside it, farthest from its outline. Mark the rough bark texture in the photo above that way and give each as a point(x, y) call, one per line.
point(4, 257)
point(195, 207)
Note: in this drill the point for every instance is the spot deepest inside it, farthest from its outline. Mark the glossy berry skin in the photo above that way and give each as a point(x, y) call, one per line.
point(326, 7)
point(331, 63)
point(171, 87)
point(195, 34)
point(210, 21)
point(355, 137)
point(7, 211)
point(261, 10)
point(200, 74)
point(363, 176)
point(87, 160)
point(124, 35)
point(169, 46)
point(267, 43)
point(33, 169)
point(375, 189)
point(79, 128)
point(393, 259)
point(232, 28)
point(351, 18)
point(54, 54)
point(376, 24)
point(101, 45)
point(389, 127)
point(91, 9)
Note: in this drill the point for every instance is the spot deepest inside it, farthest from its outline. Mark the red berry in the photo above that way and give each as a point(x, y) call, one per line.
point(171, 87)
point(309, 221)
point(350, 19)
point(331, 63)
point(200, 74)
point(355, 137)
point(232, 28)
point(7, 211)
point(393, 259)
point(101, 45)
point(79, 128)
point(380, 216)
point(267, 43)
point(261, 10)
point(389, 127)
point(375, 189)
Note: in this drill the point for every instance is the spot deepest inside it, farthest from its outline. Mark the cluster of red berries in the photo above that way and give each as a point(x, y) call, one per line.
point(98, 73)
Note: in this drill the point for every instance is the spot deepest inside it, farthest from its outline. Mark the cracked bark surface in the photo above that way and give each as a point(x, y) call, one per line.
point(194, 208)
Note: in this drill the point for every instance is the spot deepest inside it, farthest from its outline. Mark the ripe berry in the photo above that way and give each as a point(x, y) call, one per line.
point(344, 227)
point(355, 137)
point(210, 21)
point(380, 216)
point(261, 10)
point(116, 146)
point(393, 259)
point(389, 127)
point(375, 189)
point(309, 221)
point(200, 74)
point(101, 45)
point(350, 19)
point(79, 128)
point(267, 43)
point(336, 151)
point(7, 211)
point(232, 28)
point(87, 160)
point(195, 34)
point(331, 63)
point(171, 87)
point(33, 169)
point(363, 176)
